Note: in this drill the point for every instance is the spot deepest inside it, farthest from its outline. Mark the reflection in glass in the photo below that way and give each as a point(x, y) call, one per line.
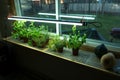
point(33, 7)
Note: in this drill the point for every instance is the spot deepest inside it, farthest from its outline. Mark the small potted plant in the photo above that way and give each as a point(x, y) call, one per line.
point(38, 36)
point(21, 35)
point(17, 27)
point(24, 35)
point(40, 41)
point(57, 43)
point(76, 41)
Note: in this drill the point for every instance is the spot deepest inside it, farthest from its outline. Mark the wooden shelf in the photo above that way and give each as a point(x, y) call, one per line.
point(85, 58)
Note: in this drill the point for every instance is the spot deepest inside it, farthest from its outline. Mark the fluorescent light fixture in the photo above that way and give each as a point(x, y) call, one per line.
point(45, 21)
point(78, 17)
point(88, 17)
point(47, 14)
point(70, 23)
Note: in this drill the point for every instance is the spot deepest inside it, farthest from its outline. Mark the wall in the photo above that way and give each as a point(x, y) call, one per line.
point(94, 7)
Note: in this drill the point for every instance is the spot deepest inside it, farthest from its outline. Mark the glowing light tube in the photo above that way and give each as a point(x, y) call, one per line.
point(44, 20)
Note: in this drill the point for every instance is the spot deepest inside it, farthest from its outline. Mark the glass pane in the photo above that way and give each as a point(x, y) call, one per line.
point(32, 8)
point(104, 27)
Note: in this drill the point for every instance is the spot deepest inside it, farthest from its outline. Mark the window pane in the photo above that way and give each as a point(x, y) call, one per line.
point(34, 7)
point(100, 18)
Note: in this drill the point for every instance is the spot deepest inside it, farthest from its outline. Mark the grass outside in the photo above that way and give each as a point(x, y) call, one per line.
point(108, 22)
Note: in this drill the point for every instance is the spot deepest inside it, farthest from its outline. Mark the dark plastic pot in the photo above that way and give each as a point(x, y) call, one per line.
point(60, 50)
point(75, 51)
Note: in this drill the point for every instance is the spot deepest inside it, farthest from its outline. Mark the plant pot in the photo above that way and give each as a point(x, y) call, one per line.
point(34, 43)
point(60, 50)
point(42, 45)
point(25, 40)
point(75, 51)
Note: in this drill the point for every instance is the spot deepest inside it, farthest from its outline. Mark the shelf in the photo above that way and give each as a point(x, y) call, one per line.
point(85, 58)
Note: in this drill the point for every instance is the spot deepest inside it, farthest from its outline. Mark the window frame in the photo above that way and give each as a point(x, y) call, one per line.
point(58, 16)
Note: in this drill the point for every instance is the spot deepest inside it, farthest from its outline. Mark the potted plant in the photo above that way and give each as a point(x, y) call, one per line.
point(38, 36)
point(17, 27)
point(24, 35)
point(57, 43)
point(76, 41)
point(39, 41)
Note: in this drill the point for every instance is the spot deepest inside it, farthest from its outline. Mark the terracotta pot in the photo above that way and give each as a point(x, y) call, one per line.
point(75, 52)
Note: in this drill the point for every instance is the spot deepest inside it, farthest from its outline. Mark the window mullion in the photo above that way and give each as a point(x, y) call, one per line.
point(58, 12)
point(17, 7)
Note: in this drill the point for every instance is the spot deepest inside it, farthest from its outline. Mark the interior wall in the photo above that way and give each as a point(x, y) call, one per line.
point(4, 26)
point(56, 68)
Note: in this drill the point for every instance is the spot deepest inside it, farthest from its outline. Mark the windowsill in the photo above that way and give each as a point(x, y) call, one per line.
point(85, 57)
point(115, 48)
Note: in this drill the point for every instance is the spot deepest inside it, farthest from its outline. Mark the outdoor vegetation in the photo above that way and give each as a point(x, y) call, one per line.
point(108, 22)
point(57, 43)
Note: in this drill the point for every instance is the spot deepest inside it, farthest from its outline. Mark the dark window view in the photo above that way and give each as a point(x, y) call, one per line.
point(105, 26)
point(34, 7)
point(100, 18)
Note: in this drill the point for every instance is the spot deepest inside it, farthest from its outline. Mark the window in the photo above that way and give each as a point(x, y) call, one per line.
point(100, 18)
point(34, 7)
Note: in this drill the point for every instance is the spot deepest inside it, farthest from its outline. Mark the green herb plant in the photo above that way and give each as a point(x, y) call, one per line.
point(17, 27)
point(57, 43)
point(38, 36)
point(75, 39)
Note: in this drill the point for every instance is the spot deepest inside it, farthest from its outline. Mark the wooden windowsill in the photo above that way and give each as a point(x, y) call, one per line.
point(86, 56)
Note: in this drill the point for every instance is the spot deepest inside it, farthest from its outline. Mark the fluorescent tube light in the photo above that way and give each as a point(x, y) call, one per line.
point(43, 20)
